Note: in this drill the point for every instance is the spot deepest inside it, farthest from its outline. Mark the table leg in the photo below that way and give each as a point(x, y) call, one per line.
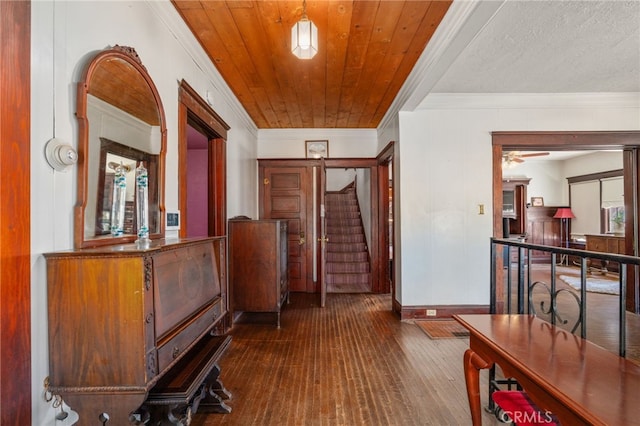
point(473, 363)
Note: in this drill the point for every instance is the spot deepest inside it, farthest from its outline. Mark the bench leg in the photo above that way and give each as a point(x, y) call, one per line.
point(171, 415)
point(215, 394)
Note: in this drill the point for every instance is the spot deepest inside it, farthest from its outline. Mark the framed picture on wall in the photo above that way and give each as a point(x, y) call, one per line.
point(317, 149)
point(537, 202)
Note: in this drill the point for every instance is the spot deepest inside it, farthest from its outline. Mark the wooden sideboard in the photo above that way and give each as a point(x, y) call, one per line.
point(121, 317)
point(605, 243)
point(258, 253)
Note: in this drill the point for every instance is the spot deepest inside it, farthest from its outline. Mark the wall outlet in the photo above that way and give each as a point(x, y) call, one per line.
point(431, 312)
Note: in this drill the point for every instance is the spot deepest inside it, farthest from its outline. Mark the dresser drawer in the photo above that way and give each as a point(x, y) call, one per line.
point(598, 245)
point(176, 345)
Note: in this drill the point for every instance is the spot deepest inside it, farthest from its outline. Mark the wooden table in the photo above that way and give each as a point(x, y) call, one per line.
point(578, 381)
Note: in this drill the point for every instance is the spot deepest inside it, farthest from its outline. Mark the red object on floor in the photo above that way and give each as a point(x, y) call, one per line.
point(521, 410)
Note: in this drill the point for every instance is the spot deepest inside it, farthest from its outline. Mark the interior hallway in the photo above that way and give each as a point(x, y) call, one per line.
point(350, 363)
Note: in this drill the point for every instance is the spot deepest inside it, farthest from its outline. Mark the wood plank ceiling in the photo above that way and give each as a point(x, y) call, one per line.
point(366, 51)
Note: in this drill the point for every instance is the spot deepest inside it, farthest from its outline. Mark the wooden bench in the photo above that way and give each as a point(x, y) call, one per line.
point(190, 385)
point(576, 380)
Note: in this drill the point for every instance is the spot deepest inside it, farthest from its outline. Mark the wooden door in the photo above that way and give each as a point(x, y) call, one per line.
point(286, 193)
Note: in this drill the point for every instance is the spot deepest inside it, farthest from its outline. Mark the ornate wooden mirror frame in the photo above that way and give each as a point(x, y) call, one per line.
point(117, 101)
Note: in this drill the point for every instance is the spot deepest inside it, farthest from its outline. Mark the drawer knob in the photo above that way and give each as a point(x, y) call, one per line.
point(176, 352)
point(148, 318)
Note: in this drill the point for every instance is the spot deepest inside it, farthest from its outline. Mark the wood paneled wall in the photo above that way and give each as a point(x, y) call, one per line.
point(543, 229)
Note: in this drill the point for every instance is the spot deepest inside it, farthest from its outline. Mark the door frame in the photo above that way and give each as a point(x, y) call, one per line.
point(378, 235)
point(15, 209)
point(386, 273)
point(379, 214)
point(628, 141)
point(192, 107)
point(322, 233)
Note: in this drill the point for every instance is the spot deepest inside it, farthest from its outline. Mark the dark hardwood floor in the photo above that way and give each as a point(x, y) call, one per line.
point(355, 363)
point(350, 363)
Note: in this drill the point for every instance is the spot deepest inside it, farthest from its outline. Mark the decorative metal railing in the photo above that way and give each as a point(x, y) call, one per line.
point(518, 283)
point(520, 292)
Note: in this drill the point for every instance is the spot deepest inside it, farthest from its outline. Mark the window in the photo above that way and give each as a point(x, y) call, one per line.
point(614, 220)
point(612, 191)
point(598, 202)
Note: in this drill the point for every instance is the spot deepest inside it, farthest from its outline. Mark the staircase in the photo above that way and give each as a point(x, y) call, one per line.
point(347, 257)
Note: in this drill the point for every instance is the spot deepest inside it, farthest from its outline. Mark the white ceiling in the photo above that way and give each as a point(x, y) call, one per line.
point(551, 47)
point(555, 155)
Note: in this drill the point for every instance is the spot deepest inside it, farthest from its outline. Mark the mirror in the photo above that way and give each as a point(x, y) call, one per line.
point(121, 122)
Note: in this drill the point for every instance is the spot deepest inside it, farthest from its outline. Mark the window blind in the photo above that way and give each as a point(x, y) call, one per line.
point(585, 204)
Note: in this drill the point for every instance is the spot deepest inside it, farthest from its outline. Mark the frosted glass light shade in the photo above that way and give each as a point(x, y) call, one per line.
point(304, 39)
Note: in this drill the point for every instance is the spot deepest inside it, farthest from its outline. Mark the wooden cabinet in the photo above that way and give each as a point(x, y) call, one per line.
point(258, 265)
point(121, 317)
point(542, 229)
point(514, 204)
point(605, 243)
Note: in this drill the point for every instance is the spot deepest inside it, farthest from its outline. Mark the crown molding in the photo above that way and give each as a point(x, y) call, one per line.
point(462, 22)
point(529, 100)
point(171, 18)
point(315, 133)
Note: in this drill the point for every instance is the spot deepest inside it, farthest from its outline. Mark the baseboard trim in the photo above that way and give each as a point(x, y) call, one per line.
point(441, 311)
point(397, 308)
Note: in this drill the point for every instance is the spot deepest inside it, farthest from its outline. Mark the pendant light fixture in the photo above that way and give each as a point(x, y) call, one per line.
point(304, 36)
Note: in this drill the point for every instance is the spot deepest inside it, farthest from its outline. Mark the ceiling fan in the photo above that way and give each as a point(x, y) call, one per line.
point(513, 158)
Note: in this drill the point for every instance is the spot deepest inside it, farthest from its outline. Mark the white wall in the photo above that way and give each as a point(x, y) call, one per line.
point(363, 190)
point(596, 162)
point(64, 37)
point(343, 143)
point(445, 173)
point(547, 180)
point(445, 167)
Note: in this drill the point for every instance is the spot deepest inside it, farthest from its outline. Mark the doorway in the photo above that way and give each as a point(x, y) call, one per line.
point(347, 214)
point(197, 188)
point(629, 142)
point(304, 176)
point(202, 169)
point(374, 172)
